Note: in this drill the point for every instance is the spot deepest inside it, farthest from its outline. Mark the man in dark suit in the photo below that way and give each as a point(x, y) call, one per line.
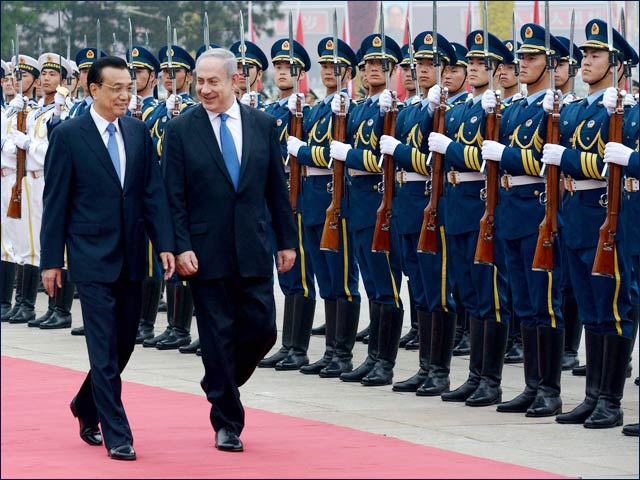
point(222, 161)
point(103, 190)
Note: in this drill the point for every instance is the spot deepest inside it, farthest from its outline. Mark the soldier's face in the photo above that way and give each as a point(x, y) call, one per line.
point(83, 78)
point(28, 81)
point(531, 67)
point(327, 75)
point(507, 75)
point(375, 73)
point(183, 78)
point(426, 72)
point(254, 76)
point(282, 75)
point(454, 77)
point(111, 97)
point(407, 80)
point(478, 76)
point(49, 80)
point(214, 88)
point(7, 86)
point(562, 74)
point(74, 83)
point(595, 64)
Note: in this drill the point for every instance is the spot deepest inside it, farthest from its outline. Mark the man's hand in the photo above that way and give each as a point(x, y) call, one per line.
point(385, 101)
point(336, 102)
point(489, 101)
point(20, 139)
point(438, 142)
point(552, 154)
point(292, 103)
point(187, 263)
point(168, 264)
point(547, 102)
point(388, 144)
point(339, 150)
point(492, 150)
point(293, 145)
point(433, 96)
point(60, 102)
point(51, 277)
point(172, 102)
point(133, 103)
point(286, 259)
point(617, 153)
point(19, 102)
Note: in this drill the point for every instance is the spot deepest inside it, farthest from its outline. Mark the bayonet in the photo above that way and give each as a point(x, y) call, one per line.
point(70, 74)
point(40, 50)
point(383, 49)
point(514, 39)
point(573, 67)
point(97, 39)
point(336, 64)
point(60, 88)
point(146, 38)
point(132, 70)
point(412, 60)
point(16, 66)
point(437, 61)
point(84, 42)
point(172, 73)
point(623, 32)
point(613, 57)
point(292, 65)
point(488, 61)
point(547, 46)
point(114, 44)
point(243, 56)
point(206, 31)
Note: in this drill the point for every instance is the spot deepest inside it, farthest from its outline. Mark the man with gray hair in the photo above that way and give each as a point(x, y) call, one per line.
point(222, 161)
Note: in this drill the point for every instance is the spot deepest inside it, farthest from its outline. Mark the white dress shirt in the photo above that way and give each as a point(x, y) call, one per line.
point(102, 125)
point(234, 124)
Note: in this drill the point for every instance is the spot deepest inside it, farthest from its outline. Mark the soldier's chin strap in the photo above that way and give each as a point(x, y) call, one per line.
point(544, 69)
point(621, 67)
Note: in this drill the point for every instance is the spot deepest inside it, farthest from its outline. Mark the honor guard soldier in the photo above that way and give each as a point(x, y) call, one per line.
point(406, 77)
point(564, 79)
point(482, 288)
point(5, 74)
point(603, 302)
point(428, 276)
point(507, 76)
point(381, 271)
point(536, 297)
point(297, 284)
point(179, 299)
point(8, 87)
point(84, 60)
point(12, 229)
point(336, 271)
point(75, 81)
point(257, 64)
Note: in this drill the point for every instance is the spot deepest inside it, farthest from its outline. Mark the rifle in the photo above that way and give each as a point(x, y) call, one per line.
point(428, 241)
point(330, 240)
point(15, 204)
point(605, 262)
point(382, 232)
point(295, 125)
point(170, 67)
point(132, 71)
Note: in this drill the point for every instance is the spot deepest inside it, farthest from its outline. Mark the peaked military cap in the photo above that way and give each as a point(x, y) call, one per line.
point(360, 59)
point(86, 56)
point(5, 69)
point(423, 46)
point(53, 61)
point(345, 53)
point(253, 54)
point(596, 33)
point(371, 48)
point(533, 41)
point(75, 71)
point(497, 49)
point(512, 48)
point(577, 54)
point(180, 58)
point(143, 58)
point(280, 53)
point(27, 64)
point(405, 54)
point(461, 54)
point(203, 47)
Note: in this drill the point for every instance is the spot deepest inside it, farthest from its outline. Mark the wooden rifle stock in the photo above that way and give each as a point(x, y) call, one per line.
point(138, 112)
point(487, 233)
point(382, 232)
point(330, 240)
point(295, 129)
point(604, 263)
point(428, 242)
point(548, 229)
point(15, 203)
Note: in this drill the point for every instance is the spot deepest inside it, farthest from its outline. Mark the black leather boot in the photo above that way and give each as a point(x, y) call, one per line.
point(572, 331)
point(464, 391)
point(579, 371)
point(7, 277)
point(18, 282)
point(522, 402)
point(608, 413)
point(152, 342)
point(319, 330)
point(330, 311)
point(192, 348)
point(489, 391)
point(63, 298)
point(550, 353)
point(30, 282)
point(304, 309)
point(45, 316)
point(461, 343)
point(412, 335)
point(424, 356)
point(363, 370)
point(443, 332)
point(388, 338)
point(287, 327)
point(182, 315)
point(151, 290)
point(514, 351)
point(347, 318)
point(631, 430)
point(594, 346)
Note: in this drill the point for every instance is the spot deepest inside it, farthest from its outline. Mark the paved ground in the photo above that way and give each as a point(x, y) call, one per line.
point(539, 443)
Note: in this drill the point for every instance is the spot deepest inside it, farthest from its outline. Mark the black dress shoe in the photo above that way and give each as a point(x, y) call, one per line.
point(191, 348)
point(89, 433)
point(228, 441)
point(123, 452)
point(79, 331)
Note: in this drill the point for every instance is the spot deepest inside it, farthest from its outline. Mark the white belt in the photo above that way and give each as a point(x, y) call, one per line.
point(576, 185)
point(35, 173)
point(402, 177)
point(508, 181)
point(6, 171)
point(631, 184)
point(454, 177)
point(316, 172)
point(360, 173)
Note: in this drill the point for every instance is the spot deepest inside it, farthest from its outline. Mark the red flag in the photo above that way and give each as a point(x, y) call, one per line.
point(300, 39)
point(346, 36)
point(536, 12)
point(399, 75)
point(252, 38)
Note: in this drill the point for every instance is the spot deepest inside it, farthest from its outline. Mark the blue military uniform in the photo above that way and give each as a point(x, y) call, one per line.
point(140, 57)
point(631, 200)
point(254, 56)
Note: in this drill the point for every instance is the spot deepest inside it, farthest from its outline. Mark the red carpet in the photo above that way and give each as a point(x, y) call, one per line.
point(40, 440)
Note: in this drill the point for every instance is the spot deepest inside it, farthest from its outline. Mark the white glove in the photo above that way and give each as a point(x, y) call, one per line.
point(335, 102)
point(20, 140)
point(339, 150)
point(386, 100)
point(492, 150)
point(518, 96)
point(610, 99)
point(60, 101)
point(388, 144)
point(172, 102)
point(438, 142)
point(547, 102)
point(569, 98)
point(434, 98)
point(629, 100)
point(133, 103)
point(552, 154)
point(489, 101)
point(413, 100)
point(617, 153)
point(292, 103)
point(293, 145)
point(249, 98)
point(69, 102)
point(18, 102)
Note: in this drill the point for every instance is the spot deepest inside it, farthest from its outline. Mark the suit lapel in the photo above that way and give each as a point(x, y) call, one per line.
point(96, 144)
point(247, 131)
point(208, 137)
point(129, 142)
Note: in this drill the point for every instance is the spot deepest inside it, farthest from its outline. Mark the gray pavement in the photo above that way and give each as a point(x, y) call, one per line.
point(538, 443)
